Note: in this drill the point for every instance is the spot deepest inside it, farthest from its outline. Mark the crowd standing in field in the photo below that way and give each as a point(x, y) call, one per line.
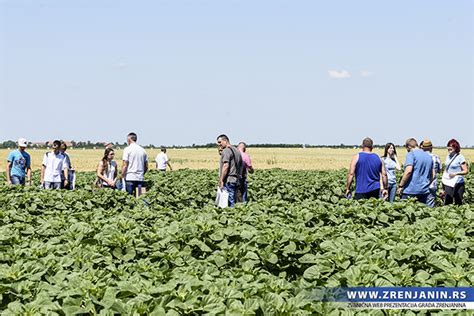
point(375, 177)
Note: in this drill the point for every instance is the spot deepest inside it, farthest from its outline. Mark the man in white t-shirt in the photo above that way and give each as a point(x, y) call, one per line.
point(53, 168)
point(135, 164)
point(162, 160)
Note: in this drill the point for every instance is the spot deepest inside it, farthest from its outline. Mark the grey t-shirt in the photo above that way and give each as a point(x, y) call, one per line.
point(231, 156)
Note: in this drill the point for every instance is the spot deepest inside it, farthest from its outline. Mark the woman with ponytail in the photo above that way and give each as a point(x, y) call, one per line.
point(107, 170)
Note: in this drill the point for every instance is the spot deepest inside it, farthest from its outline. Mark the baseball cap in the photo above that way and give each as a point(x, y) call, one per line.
point(426, 144)
point(22, 142)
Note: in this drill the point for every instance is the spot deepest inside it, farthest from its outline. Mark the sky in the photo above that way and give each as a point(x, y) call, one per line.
point(183, 72)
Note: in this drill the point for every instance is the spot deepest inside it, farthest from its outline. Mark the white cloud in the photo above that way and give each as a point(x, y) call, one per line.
point(119, 65)
point(366, 73)
point(343, 74)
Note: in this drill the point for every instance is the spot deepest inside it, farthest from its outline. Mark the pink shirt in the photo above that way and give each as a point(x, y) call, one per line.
point(247, 163)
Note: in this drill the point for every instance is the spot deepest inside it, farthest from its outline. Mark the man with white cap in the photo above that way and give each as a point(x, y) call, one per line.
point(19, 165)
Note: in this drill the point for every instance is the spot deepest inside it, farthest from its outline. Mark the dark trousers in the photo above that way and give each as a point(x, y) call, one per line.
point(453, 195)
point(367, 195)
point(131, 186)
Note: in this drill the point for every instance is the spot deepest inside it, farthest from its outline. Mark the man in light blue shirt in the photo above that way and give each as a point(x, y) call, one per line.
point(19, 165)
point(418, 174)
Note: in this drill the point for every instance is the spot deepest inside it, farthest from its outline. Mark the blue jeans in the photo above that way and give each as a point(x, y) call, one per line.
point(422, 198)
point(392, 191)
point(431, 199)
point(244, 189)
point(52, 185)
point(16, 180)
point(131, 186)
point(231, 188)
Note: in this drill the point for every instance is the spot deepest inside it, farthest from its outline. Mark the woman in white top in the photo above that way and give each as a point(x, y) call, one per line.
point(392, 164)
point(107, 169)
point(453, 176)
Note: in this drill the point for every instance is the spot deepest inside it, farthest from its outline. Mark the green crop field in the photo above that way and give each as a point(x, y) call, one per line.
point(172, 252)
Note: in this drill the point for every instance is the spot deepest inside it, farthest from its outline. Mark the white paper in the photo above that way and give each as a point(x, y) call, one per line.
point(450, 182)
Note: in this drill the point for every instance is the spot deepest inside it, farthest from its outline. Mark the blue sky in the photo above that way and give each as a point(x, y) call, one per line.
point(182, 72)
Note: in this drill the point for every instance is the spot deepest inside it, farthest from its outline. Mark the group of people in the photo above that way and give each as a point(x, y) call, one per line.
point(376, 176)
point(56, 168)
point(234, 166)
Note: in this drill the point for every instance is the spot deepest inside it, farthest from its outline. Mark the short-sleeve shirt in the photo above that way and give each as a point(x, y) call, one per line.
point(20, 161)
point(55, 164)
point(455, 166)
point(390, 167)
point(137, 158)
point(161, 161)
point(246, 163)
point(437, 169)
point(420, 178)
point(231, 156)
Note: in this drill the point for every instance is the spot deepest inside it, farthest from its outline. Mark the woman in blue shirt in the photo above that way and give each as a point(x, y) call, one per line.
point(453, 176)
point(392, 164)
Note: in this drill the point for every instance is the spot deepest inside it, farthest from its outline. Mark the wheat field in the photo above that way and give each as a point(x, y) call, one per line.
point(206, 158)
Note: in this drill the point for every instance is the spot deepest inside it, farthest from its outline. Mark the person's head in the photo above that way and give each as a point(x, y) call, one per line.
point(63, 146)
point(453, 147)
point(426, 145)
point(109, 155)
point(367, 143)
point(411, 144)
point(163, 149)
point(223, 141)
point(22, 144)
point(56, 146)
point(131, 138)
point(242, 147)
point(390, 150)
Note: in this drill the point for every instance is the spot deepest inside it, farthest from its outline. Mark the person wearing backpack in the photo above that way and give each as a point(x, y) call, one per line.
point(53, 168)
point(230, 168)
point(453, 175)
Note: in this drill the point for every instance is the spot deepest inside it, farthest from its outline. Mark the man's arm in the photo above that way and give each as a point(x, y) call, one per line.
point(384, 182)
point(145, 167)
point(124, 169)
point(169, 165)
point(9, 166)
point(28, 174)
point(43, 169)
point(406, 176)
point(223, 175)
point(351, 173)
